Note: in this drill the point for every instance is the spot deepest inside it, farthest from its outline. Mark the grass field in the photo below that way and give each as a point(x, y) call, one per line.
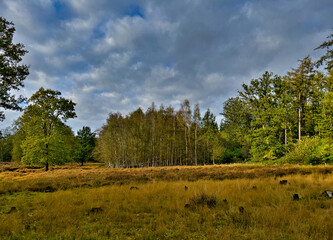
point(218, 202)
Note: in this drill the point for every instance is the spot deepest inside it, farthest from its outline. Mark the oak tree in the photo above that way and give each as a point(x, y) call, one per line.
point(44, 129)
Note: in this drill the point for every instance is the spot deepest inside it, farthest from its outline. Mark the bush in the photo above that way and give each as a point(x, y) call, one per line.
point(232, 156)
point(326, 151)
point(310, 151)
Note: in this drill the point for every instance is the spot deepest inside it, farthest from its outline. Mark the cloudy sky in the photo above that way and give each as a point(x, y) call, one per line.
point(118, 55)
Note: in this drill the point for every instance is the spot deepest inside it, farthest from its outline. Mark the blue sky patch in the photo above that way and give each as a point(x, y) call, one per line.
point(61, 10)
point(135, 11)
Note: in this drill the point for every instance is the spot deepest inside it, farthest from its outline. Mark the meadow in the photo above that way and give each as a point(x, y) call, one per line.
point(204, 202)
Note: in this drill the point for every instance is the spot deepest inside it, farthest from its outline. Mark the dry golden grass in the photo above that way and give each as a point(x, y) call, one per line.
point(20, 178)
point(221, 202)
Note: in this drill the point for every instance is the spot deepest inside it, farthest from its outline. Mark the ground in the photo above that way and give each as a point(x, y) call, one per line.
point(219, 202)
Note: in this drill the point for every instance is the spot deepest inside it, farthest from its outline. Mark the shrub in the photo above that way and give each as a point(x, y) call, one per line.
point(310, 151)
point(232, 156)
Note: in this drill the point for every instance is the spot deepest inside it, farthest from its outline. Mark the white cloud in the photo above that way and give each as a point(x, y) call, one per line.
point(110, 95)
point(212, 81)
point(88, 89)
point(80, 25)
point(267, 42)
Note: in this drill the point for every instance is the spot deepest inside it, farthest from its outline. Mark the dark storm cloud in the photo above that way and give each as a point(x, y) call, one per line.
point(120, 55)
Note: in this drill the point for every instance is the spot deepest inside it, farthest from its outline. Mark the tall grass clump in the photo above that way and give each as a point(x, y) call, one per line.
point(203, 199)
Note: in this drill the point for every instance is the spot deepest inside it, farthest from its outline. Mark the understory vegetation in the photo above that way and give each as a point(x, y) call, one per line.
point(251, 203)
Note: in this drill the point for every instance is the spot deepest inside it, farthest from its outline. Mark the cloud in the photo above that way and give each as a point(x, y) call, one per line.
point(116, 56)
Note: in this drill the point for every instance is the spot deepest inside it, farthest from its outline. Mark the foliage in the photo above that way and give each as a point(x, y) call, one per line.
point(302, 85)
point(324, 117)
point(262, 101)
point(12, 73)
point(43, 137)
point(232, 155)
point(84, 145)
point(328, 57)
point(160, 137)
point(236, 125)
point(313, 150)
point(271, 115)
point(301, 152)
point(6, 146)
point(38, 150)
point(211, 137)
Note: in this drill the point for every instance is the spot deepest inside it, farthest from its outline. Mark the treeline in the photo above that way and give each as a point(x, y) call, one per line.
point(287, 118)
point(272, 119)
point(159, 137)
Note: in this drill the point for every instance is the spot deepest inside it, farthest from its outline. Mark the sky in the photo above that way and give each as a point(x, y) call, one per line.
point(116, 56)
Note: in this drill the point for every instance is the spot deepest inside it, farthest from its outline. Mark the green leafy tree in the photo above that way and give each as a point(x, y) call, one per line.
point(84, 145)
point(12, 73)
point(300, 81)
point(236, 124)
point(325, 117)
point(283, 116)
point(262, 100)
point(38, 149)
point(46, 135)
point(209, 135)
point(6, 145)
point(18, 137)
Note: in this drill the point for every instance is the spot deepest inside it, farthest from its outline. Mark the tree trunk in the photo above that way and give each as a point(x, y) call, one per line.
point(195, 145)
point(174, 142)
point(204, 157)
point(299, 124)
point(1, 154)
point(47, 157)
point(47, 148)
point(160, 160)
point(185, 147)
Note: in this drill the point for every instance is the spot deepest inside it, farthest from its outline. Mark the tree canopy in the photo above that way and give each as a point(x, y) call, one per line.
point(159, 137)
point(12, 73)
point(43, 137)
point(327, 58)
point(271, 116)
point(84, 145)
